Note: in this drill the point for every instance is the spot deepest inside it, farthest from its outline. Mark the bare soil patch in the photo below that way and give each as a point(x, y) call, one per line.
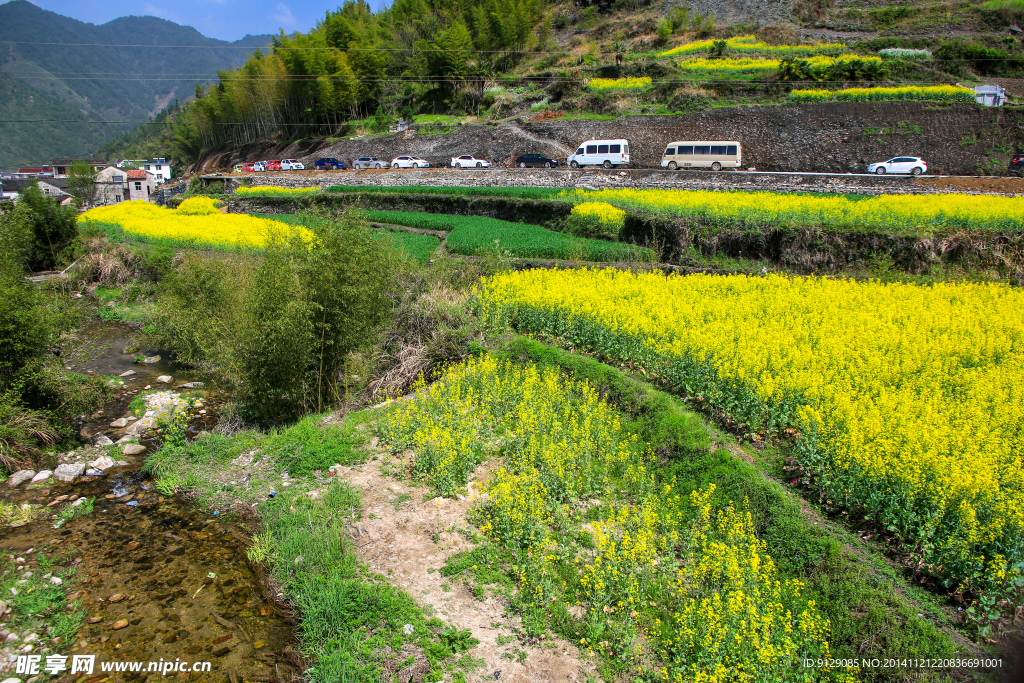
point(995, 184)
point(409, 539)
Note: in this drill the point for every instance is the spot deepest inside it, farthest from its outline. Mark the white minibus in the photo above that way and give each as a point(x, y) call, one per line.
point(713, 154)
point(607, 153)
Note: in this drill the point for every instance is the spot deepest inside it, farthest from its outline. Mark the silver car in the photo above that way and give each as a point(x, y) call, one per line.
point(369, 162)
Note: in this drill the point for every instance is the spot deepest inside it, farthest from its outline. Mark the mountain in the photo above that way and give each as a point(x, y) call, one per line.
point(62, 79)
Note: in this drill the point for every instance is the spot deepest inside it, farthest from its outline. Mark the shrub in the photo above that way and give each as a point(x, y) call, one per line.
point(596, 219)
point(51, 226)
point(279, 330)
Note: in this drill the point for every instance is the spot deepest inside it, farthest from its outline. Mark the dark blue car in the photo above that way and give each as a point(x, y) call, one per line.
point(328, 164)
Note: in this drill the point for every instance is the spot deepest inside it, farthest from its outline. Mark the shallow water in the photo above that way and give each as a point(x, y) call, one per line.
point(189, 590)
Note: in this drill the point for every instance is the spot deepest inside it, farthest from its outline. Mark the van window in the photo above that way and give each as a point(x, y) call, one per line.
point(602, 149)
point(579, 151)
point(615, 149)
point(732, 150)
point(626, 151)
point(718, 150)
point(687, 150)
point(702, 149)
point(591, 149)
point(671, 151)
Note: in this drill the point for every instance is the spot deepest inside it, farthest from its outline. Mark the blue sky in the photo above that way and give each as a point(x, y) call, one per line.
point(224, 19)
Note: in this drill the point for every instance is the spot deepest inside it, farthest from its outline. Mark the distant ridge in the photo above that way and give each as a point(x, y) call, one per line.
point(93, 74)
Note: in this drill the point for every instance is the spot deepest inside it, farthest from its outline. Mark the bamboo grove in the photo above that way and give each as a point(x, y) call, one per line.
point(355, 63)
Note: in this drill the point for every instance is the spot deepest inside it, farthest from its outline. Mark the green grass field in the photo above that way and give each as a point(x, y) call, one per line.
point(471, 235)
point(419, 247)
point(513, 192)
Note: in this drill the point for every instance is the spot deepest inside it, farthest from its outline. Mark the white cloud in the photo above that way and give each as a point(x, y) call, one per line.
point(284, 15)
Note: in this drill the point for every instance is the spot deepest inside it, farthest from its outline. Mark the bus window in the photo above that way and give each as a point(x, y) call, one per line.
point(671, 151)
point(686, 151)
point(702, 149)
point(591, 149)
point(732, 150)
point(615, 149)
point(718, 150)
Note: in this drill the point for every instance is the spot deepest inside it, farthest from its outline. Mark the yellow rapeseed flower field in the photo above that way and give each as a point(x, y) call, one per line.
point(196, 223)
point(750, 44)
point(908, 399)
point(719, 615)
point(892, 214)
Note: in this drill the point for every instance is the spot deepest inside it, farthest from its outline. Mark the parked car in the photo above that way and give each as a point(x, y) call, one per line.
point(260, 166)
point(242, 168)
point(607, 153)
point(535, 161)
point(274, 165)
point(1017, 163)
point(292, 165)
point(912, 165)
point(368, 162)
point(409, 162)
point(328, 163)
point(469, 161)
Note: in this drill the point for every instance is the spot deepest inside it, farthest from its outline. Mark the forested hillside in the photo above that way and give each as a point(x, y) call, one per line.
point(444, 64)
point(56, 69)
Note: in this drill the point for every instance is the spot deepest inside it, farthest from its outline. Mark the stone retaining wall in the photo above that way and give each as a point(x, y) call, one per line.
point(596, 179)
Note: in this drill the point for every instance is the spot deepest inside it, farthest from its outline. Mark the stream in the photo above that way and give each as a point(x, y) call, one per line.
point(157, 576)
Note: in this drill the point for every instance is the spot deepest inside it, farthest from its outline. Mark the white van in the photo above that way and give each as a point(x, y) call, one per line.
point(713, 154)
point(607, 153)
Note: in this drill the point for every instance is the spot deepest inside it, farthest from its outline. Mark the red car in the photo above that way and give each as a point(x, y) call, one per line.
point(274, 165)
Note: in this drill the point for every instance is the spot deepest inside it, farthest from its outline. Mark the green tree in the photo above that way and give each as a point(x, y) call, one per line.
point(52, 226)
point(82, 183)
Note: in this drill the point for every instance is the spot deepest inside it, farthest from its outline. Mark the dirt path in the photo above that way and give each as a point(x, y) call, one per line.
point(408, 540)
point(514, 128)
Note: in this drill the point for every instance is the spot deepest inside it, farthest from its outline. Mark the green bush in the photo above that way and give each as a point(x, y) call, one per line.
point(52, 227)
point(279, 326)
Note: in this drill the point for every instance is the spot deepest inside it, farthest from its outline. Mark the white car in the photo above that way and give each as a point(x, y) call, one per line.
point(912, 165)
point(469, 161)
point(409, 162)
point(368, 162)
point(292, 165)
point(259, 166)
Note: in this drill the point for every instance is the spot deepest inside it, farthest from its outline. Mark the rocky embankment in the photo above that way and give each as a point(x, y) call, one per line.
point(955, 139)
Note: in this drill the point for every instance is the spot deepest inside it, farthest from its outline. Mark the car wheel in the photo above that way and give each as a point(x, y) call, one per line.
point(394, 165)
point(716, 166)
point(458, 165)
point(880, 170)
point(607, 164)
point(478, 164)
point(547, 164)
point(575, 164)
point(672, 165)
point(522, 164)
point(917, 170)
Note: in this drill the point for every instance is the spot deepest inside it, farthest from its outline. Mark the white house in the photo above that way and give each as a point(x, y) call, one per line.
point(110, 186)
point(160, 168)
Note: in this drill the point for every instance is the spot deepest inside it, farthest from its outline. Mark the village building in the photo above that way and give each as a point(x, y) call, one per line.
point(140, 184)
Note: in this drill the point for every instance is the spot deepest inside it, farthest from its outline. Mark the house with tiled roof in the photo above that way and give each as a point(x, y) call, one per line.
point(140, 184)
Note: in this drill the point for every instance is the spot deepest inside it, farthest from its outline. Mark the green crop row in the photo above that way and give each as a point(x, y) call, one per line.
point(514, 192)
point(471, 235)
point(419, 247)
